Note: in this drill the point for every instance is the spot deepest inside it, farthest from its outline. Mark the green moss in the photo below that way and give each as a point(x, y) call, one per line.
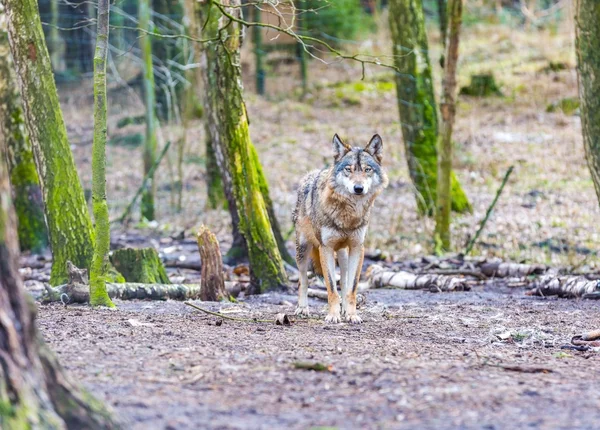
point(483, 85)
point(140, 265)
point(129, 120)
point(567, 105)
point(127, 140)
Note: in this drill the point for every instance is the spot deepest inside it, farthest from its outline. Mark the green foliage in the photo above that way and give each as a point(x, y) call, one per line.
point(336, 19)
point(568, 105)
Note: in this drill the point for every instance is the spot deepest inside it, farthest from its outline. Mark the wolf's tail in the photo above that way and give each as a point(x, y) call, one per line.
point(315, 257)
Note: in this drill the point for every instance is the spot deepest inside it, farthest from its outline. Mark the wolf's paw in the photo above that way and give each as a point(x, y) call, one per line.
point(302, 311)
point(333, 318)
point(353, 319)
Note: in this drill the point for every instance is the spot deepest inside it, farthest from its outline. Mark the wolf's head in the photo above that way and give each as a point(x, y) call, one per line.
point(358, 171)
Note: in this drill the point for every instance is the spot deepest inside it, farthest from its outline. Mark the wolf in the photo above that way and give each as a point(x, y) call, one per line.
point(331, 219)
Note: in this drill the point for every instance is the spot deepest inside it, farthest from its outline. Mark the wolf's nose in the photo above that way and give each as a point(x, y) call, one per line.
point(358, 189)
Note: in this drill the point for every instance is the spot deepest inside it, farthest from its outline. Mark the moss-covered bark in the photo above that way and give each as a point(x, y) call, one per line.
point(227, 124)
point(15, 146)
point(35, 393)
point(69, 223)
point(98, 271)
point(587, 19)
point(140, 265)
point(416, 104)
point(147, 205)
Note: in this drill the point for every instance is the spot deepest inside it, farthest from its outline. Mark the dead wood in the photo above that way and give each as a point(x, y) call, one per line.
point(189, 265)
point(565, 286)
point(80, 293)
point(380, 277)
point(212, 266)
point(511, 270)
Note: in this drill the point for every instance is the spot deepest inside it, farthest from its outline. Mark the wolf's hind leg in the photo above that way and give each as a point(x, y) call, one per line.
point(342, 257)
point(303, 249)
point(355, 261)
point(333, 299)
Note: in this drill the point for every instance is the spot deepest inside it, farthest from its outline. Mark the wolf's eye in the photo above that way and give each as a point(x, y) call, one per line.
point(348, 169)
point(368, 169)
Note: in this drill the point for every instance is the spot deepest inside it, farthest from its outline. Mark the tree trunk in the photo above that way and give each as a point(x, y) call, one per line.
point(587, 43)
point(149, 194)
point(68, 220)
point(416, 104)
point(140, 265)
point(57, 44)
point(213, 281)
point(98, 295)
point(448, 111)
point(227, 124)
point(34, 390)
point(33, 235)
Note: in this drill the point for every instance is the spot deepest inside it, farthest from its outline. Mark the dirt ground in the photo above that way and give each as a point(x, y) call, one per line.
point(420, 360)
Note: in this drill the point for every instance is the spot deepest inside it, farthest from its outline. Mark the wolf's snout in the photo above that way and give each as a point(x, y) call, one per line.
point(358, 189)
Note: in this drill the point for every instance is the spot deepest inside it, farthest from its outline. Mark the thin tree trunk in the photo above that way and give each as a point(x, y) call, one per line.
point(56, 44)
point(448, 111)
point(443, 17)
point(68, 220)
point(149, 194)
point(587, 43)
point(98, 295)
point(416, 104)
point(34, 390)
point(227, 121)
point(17, 149)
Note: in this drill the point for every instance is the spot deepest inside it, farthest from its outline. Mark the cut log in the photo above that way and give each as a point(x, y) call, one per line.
point(566, 286)
point(80, 293)
point(140, 265)
point(511, 270)
point(380, 277)
point(212, 266)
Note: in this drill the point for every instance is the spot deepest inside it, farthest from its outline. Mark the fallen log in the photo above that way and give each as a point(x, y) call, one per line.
point(380, 277)
point(80, 293)
point(566, 286)
point(511, 270)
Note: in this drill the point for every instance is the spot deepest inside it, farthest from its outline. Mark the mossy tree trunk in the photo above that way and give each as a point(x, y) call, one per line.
point(98, 295)
point(68, 220)
point(34, 390)
point(227, 120)
point(448, 111)
point(587, 43)
point(140, 265)
point(147, 205)
point(16, 148)
point(416, 104)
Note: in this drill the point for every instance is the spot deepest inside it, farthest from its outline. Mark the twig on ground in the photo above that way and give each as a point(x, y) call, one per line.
point(319, 367)
point(220, 315)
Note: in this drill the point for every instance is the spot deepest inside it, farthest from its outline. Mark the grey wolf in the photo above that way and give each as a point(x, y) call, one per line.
point(331, 219)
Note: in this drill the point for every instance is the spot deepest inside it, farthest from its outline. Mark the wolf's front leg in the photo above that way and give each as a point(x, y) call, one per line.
point(342, 258)
point(333, 299)
point(302, 260)
point(355, 262)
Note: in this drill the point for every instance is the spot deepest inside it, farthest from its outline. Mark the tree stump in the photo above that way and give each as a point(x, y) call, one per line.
point(140, 265)
point(213, 282)
point(483, 85)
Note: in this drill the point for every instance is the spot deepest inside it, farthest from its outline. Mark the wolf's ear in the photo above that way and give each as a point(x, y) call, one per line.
point(375, 147)
point(339, 147)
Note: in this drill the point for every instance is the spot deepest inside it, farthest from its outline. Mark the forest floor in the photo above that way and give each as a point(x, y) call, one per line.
point(420, 360)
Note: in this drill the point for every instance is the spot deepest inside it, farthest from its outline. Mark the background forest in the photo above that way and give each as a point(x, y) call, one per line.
point(154, 149)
